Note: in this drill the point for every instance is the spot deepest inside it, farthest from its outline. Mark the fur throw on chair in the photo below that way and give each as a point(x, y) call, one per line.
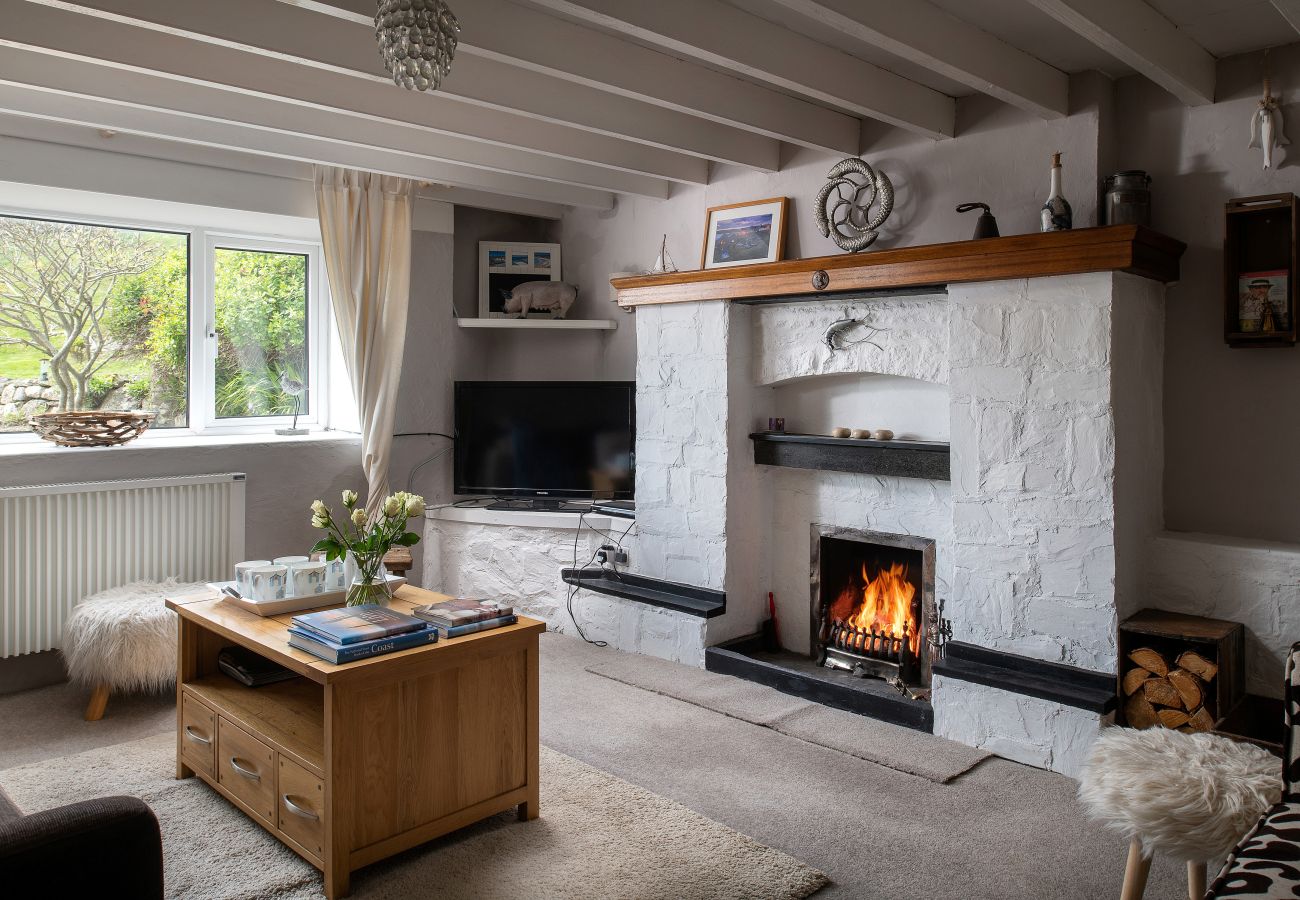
point(1191, 796)
point(125, 637)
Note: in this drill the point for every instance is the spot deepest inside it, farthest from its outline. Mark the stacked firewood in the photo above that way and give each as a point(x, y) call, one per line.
point(1173, 696)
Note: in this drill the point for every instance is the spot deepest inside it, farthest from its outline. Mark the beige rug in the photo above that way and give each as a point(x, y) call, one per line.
point(903, 749)
point(598, 837)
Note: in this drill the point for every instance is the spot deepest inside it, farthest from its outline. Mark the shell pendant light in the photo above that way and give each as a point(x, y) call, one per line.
point(417, 39)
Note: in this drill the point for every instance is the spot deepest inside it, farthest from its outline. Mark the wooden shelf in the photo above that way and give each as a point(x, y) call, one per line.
point(291, 714)
point(904, 459)
point(541, 324)
point(1113, 248)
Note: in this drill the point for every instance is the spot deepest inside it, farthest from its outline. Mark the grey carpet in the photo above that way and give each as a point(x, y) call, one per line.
point(893, 746)
point(598, 837)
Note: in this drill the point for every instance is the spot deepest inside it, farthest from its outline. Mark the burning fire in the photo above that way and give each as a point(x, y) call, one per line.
point(882, 605)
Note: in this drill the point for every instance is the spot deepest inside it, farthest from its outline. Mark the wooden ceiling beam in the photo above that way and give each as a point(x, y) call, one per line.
point(1136, 34)
point(924, 34)
point(292, 51)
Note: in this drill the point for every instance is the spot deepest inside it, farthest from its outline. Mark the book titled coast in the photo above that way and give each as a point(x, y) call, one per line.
point(337, 653)
point(354, 624)
point(454, 618)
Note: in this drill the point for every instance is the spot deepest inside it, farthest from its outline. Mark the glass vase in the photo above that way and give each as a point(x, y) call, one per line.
point(371, 591)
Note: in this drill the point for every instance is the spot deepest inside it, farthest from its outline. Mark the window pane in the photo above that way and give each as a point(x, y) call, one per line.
point(92, 317)
point(261, 311)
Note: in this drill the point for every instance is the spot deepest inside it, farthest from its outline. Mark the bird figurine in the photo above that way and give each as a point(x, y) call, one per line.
point(1266, 126)
point(295, 389)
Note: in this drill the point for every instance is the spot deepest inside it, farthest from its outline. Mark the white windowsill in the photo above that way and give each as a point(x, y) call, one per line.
point(23, 447)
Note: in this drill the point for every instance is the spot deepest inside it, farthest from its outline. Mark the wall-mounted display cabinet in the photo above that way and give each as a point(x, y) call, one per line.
point(1259, 268)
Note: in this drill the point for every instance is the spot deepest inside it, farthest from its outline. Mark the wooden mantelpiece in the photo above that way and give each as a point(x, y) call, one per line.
point(1118, 248)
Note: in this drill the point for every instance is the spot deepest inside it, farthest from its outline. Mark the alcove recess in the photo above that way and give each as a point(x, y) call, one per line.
point(1259, 240)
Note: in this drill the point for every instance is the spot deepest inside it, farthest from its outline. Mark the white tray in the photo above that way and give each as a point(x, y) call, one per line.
point(292, 604)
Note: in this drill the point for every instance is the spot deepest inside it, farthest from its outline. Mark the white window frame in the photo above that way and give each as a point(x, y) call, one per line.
point(203, 243)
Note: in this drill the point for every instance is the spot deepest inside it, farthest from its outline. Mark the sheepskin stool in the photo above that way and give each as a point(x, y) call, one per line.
point(123, 639)
point(1191, 796)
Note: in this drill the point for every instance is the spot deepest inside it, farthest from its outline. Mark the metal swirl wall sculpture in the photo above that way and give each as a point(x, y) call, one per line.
point(844, 204)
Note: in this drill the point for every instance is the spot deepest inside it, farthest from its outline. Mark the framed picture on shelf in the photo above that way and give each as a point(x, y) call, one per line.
point(744, 233)
point(504, 265)
point(1263, 302)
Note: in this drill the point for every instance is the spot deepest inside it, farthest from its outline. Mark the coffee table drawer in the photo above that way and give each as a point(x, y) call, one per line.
point(198, 736)
point(301, 807)
point(246, 768)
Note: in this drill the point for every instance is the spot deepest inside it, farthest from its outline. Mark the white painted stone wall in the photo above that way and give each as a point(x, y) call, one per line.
point(1033, 448)
point(1256, 583)
point(1035, 732)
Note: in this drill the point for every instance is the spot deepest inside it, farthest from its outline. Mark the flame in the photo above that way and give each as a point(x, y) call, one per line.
point(881, 605)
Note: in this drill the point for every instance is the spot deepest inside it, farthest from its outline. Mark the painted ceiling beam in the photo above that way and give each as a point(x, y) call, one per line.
point(719, 34)
point(520, 36)
point(484, 98)
point(924, 34)
point(1290, 10)
point(124, 43)
point(1138, 35)
point(216, 105)
point(96, 112)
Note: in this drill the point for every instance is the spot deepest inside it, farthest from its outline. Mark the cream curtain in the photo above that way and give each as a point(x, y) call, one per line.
point(365, 224)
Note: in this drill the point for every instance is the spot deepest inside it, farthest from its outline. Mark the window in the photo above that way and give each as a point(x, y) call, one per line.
point(210, 332)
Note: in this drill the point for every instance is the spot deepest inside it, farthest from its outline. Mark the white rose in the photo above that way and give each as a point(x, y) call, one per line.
point(349, 499)
point(415, 506)
point(392, 506)
point(359, 518)
point(320, 522)
point(318, 507)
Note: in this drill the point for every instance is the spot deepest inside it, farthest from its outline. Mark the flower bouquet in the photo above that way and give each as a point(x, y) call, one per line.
point(366, 541)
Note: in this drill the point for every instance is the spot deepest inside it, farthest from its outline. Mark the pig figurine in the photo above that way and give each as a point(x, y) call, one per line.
point(554, 297)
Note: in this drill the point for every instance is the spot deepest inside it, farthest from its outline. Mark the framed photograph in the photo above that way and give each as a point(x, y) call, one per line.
point(744, 233)
point(1263, 305)
point(504, 265)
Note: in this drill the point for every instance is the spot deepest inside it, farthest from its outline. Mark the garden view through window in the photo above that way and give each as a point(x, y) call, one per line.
point(97, 317)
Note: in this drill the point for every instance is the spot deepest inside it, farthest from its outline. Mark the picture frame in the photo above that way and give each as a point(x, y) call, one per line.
point(742, 234)
point(504, 265)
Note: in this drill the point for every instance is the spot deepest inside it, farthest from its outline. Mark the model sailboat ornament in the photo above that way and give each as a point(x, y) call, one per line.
point(663, 263)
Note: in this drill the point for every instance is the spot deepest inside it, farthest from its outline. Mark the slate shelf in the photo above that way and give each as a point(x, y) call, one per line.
point(800, 676)
point(1080, 688)
point(905, 459)
point(684, 598)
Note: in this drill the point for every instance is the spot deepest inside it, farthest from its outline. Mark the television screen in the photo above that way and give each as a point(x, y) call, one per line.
point(545, 438)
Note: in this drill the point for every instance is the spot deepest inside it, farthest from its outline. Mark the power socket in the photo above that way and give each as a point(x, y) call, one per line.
point(609, 553)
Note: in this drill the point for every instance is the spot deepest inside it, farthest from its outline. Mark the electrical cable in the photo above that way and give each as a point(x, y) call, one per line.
point(574, 588)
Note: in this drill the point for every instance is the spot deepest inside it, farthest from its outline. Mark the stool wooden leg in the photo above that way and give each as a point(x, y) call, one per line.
point(98, 701)
point(1135, 873)
point(1195, 880)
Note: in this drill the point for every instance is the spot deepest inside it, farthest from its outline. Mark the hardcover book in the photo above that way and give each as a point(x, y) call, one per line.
point(352, 624)
point(462, 611)
point(345, 653)
point(471, 627)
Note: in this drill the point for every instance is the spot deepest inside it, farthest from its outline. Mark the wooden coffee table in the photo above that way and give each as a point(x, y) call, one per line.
point(350, 764)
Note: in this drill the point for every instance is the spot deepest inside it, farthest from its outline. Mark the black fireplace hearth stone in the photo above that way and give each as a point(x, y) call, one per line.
point(1071, 686)
point(904, 459)
point(800, 676)
point(695, 601)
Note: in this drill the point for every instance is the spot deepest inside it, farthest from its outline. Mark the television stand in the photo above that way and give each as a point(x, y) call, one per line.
point(539, 504)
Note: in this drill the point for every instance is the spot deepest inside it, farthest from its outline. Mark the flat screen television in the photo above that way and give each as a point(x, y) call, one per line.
point(545, 441)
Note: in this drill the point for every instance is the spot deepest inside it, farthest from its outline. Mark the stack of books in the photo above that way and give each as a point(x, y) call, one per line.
point(452, 618)
point(358, 632)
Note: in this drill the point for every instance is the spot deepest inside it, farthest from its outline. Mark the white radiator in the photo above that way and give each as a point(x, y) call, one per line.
point(60, 543)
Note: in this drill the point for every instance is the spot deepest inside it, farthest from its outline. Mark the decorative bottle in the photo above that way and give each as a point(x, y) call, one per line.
point(1057, 215)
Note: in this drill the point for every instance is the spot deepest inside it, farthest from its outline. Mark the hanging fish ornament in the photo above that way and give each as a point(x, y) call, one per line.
point(1266, 126)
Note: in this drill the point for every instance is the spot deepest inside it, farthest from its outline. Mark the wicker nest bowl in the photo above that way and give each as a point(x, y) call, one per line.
point(101, 428)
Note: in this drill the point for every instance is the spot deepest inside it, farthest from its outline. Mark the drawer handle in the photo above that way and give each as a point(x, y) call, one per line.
point(195, 736)
point(247, 773)
point(299, 811)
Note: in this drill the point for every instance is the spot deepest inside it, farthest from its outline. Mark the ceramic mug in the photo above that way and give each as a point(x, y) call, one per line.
point(243, 583)
point(307, 578)
point(336, 575)
point(288, 560)
point(267, 583)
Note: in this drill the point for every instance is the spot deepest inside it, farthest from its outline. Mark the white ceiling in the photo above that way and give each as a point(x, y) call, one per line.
point(573, 102)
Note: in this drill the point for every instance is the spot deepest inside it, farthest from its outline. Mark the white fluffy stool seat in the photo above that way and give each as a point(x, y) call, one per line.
point(1191, 796)
point(123, 639)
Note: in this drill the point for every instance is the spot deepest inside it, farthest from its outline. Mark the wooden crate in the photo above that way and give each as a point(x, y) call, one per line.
point(1170, 635)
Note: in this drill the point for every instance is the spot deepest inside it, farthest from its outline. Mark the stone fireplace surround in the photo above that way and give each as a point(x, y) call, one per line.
point(1055, 414)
